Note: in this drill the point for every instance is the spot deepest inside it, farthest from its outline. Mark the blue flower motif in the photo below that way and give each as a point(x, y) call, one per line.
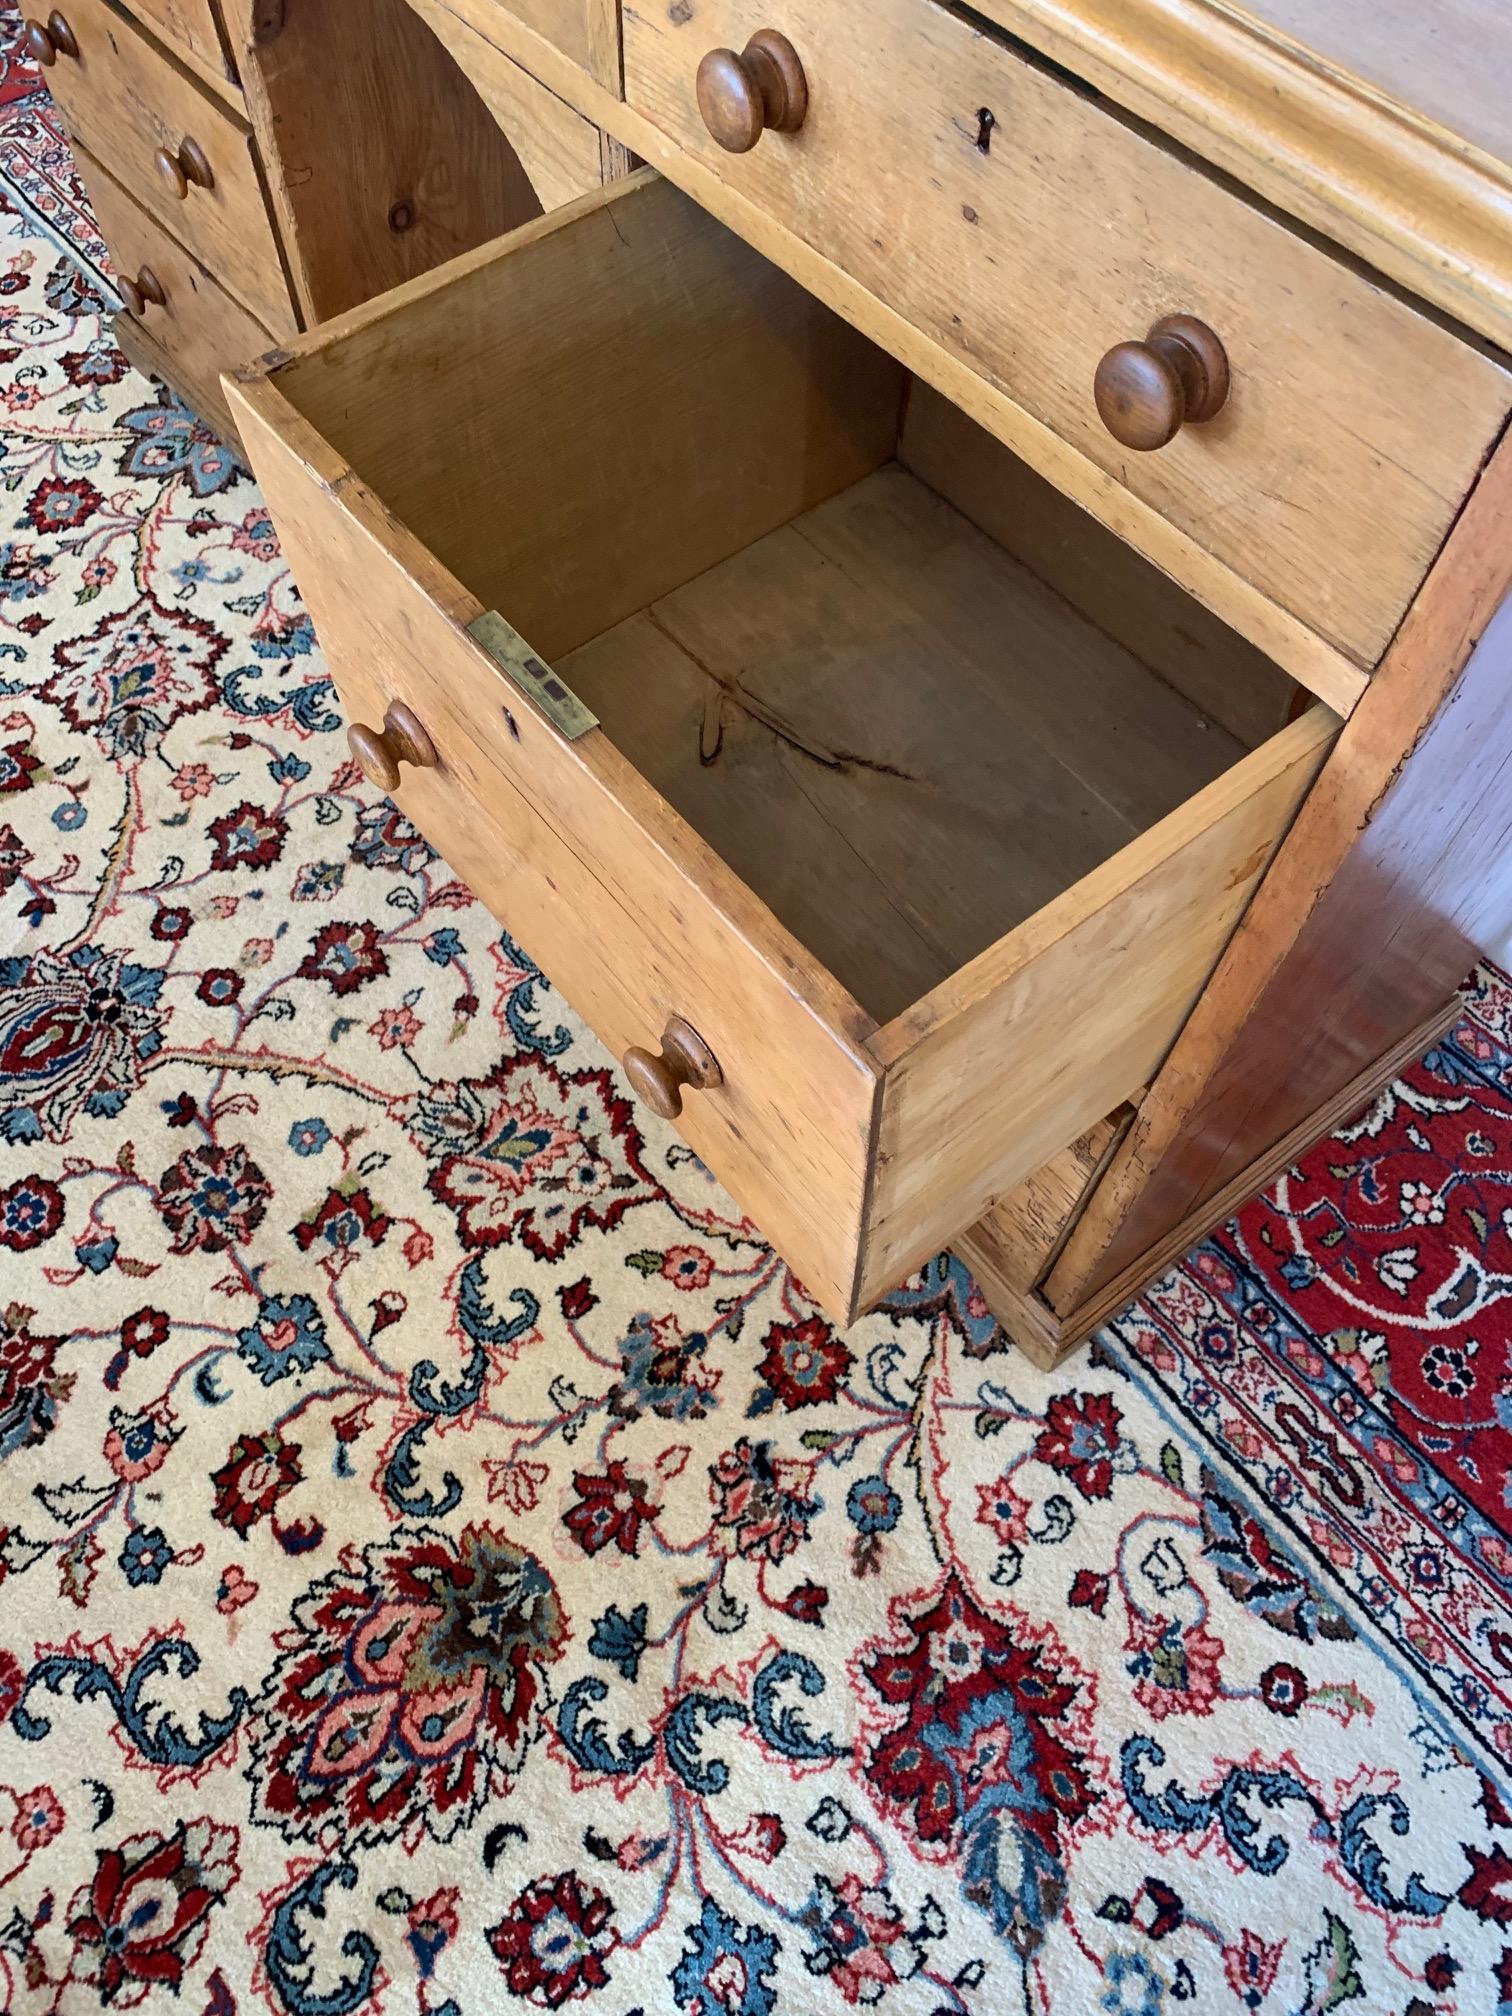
point(145, 1555)
point(443, 946)
point(288, 769)
point(288, 1336)
point(318, 881)
point(873, 1505)
point(96, 1254)
point(726, 1968)
point(620, 1640)
point(1134, 1988)
point(308, 1137)
point(69, 816)
point(166, 439)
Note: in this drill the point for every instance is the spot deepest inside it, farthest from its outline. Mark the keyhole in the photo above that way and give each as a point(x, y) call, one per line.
point(985, 124)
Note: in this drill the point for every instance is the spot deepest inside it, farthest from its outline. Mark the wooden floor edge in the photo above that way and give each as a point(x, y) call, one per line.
point(1048, 1337)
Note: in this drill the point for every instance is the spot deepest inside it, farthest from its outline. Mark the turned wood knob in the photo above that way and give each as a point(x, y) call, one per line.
point(139, 292)
point(46, 45)
point(739, 97)
point(685, 1060)
point(402, 739)
point(190, 164)
point(1146, 392)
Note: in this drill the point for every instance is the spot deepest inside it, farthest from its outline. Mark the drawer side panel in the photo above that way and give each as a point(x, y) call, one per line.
point(1051, 1028)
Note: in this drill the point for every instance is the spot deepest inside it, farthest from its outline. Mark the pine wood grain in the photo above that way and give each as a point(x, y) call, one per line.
point(1319, 666)
point(916, 745)
point(1062, 1019)
point(1225, 676)
point(1398, 869)
point(1016, 1243)
point(628, 396)
point(1326, 479)
point(1402, 176)
point(192, 31)
point(382, 160)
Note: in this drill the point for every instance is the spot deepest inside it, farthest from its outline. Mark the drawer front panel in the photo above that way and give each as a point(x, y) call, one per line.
point(190, 29)
point(574, 851)
point(1030, 242)
point(123, 99)
point(201, 329)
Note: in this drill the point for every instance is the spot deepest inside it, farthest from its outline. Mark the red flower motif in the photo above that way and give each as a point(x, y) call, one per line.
point(611, 1508)
point(12, 1672)
point(975, 1730)
point(343, 1221)
point(1283, 1688)
point(534, 1153)
point(18, 767)
point(345, 956)
point(552, 1942)
point(1176, 1672)
point(1089, 1592)
point(1487, 1890)
point(763, 1505)
point(687, 1267)
point(31, 1210)
point(213, 1198)
point(219, 987)
point(410, 1690)
point(170, 925)
point(62, 504)
point(259, 1470)
point(29, 1391)
point(146, 1914)
point(39, 1819)
point(247, 837)
point(1080, 1440)
point(14, 855)
point(804, 1362)
point(142, 1333)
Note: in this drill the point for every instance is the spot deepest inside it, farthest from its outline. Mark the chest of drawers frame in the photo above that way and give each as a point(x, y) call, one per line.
point(878, 373)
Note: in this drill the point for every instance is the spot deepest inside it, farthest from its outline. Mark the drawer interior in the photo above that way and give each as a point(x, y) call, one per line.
point(900, 686)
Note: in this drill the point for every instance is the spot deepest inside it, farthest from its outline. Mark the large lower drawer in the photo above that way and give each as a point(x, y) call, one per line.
point(182, 154)
point(1028, 230)
point(932, 866)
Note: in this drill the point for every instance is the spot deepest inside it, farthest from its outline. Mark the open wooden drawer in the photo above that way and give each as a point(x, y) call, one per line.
point(932, 863)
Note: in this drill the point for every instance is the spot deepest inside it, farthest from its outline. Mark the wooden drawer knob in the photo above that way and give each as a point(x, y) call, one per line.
point(739, 97)
point(685, 1060)
point(379, 752)
point(145, 289)
point(191, 164)
point(1146, 392)
point(46, 45)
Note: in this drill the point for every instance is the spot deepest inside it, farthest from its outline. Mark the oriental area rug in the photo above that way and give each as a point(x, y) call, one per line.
point(448, 1566)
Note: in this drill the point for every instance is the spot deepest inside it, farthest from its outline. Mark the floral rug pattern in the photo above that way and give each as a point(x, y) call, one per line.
point(447, 1565)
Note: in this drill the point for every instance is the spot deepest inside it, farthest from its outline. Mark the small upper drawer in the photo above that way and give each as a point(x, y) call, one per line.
point(1028, 230)
point(932, 865)
point(181, 307)
point(180, 152)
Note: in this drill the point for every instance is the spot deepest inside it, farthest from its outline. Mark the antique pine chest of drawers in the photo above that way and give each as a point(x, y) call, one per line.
point(960, 614)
